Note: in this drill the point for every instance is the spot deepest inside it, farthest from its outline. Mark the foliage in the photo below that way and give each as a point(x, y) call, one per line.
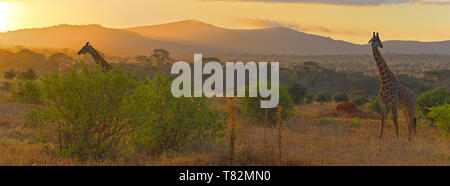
point(6, 85)
point(30, 74)
point(374, 104)
point(354, 94)
point(309, 96)
point(101, 115)
point(433, 98)
point(340, 97)
point(297, 92)
point(26, 91)
point(268, 116)
point(441, 118)
point(161, 56)
point(323, 97)
point(360, 100)
point(163, 122)
point(87, 107)
point(10, 74)
point(355, 122)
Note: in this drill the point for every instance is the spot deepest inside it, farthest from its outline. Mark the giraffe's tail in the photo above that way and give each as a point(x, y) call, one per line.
point(414, 124)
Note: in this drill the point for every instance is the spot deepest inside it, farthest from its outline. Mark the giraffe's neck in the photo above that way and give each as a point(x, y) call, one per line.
point(99, 59)
point(386, 76)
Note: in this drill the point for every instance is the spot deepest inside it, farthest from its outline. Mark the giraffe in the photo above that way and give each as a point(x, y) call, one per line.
point(392, 94)
point(97, 57)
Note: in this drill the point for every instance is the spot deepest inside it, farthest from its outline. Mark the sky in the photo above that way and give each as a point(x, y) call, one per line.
point(349, 20)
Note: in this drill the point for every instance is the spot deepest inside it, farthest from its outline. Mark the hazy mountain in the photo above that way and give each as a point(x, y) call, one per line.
point(74, 37)
point(277, 40)
point(195, 36)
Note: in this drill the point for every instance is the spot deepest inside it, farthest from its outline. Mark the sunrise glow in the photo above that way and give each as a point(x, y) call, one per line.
point(4, 12)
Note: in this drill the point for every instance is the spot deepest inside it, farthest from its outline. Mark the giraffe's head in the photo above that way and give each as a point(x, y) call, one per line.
point(85, 49)
point(376, 41)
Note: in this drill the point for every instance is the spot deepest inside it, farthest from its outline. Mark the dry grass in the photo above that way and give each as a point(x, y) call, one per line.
point(312, 137)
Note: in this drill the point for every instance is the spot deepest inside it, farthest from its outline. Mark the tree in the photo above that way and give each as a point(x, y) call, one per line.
point(297, 92)
point(341, 97)
point(101, 115)
point(30, 74)
point(441, 118)
point(88, 111)
point(268, 116)
point(163, 122)
point(360, 100)
point(309, 96)
point(323, 97)
point(429, 99)
point(161, 56)
point(10, 74)
point(142, 58)
point(357, 93)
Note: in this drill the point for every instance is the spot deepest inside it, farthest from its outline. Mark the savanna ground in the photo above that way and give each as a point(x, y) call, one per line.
point(314, 136)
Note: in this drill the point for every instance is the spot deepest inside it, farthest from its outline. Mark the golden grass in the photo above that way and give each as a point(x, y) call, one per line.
point(311, 138)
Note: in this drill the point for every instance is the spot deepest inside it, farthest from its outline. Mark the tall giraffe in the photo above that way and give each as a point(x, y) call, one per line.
point(97, 57)
point(392, 93)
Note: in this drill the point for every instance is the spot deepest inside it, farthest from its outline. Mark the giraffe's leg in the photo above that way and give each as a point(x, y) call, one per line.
point(383, 117)
point(409, 120)
point(395, 118)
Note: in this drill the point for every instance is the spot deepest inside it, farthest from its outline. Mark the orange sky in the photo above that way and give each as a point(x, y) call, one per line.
point(353, 21)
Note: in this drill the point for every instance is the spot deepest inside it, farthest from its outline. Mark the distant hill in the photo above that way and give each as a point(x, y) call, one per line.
point(74, 37)
point(194, 36)
point(277, 40)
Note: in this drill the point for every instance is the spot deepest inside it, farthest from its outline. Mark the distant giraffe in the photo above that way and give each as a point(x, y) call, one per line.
point(392, 93)
point(97, 57)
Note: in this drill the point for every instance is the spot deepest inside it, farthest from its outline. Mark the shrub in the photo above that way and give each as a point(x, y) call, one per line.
point(323, 97)
point(374, 104)
point(165, 123)
point(360, 100)
point(355, 122)
point(87, 107)
point(441, 118)
point(26, 91)
point(29, 75)
point(341, 97)
point(268, 116)
point(433, 98)
point(10, 74)
point(6, 85)
point(309, 96)
point(297, 92)
point(356, 93)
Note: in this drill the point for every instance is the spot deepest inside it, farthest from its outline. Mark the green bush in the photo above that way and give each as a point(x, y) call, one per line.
point(28, 75)
point(433, 98)
point(268, 116)
point(10, 74)
point(87, 107)
point(6, 85)
point(297, 92)
point(441, 118)
point(165, 123)
point(354, 94)
point(100, 115)
point(359, 100)
point(309, 96)
point(374, 104)
point(355, 122)
point(323, 97)
point(341, 97)
point(26, 91)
